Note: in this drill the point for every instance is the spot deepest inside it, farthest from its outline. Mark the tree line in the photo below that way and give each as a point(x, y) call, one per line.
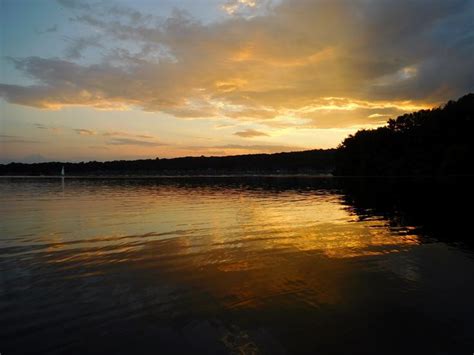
point(427, 142)
point(310, 161)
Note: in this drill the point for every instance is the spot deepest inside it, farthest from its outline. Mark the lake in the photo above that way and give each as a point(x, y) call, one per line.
point(236, 265)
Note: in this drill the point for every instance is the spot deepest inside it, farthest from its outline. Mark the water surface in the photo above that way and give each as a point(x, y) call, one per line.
point(235, 265)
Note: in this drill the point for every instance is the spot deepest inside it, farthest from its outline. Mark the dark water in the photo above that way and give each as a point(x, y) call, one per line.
point(236, 266)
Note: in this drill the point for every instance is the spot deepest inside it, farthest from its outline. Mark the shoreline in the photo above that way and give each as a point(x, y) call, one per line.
point(325, 176)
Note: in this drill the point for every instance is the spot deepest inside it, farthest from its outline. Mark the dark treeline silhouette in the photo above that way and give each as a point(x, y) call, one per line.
point(427, 142)
point(310, 161)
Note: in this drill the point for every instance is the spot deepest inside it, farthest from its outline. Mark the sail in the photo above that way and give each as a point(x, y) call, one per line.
point(62, 171)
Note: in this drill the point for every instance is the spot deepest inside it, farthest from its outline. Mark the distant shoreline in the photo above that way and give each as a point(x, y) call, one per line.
point(161, 176)
point(145, 177)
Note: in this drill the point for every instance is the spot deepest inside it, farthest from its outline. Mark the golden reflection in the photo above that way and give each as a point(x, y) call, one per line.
point(246, 248)
point(220, 221)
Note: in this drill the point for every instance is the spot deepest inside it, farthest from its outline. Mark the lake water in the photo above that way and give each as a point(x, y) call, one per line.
point(236, 266)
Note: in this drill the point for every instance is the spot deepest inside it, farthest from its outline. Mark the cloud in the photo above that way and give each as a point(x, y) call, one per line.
point(377, 115)
point(55, 130)
point(244, 7)
point(16, 139)
point(126, 134)
point(85, 132)
point(77, 45)
point(260, 148)
point(336, 112)
point(135, 142)
point(284, 63)
point(250, 133)
point(89, 132)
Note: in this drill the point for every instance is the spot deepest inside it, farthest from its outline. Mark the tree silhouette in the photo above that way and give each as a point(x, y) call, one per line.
point(427, 142)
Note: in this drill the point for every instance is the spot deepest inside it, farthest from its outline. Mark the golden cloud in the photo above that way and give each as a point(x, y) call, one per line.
point(331, 63)
point(250, 133)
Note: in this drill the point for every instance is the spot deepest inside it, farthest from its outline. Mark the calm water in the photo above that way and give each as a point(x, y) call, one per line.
point(236, 266)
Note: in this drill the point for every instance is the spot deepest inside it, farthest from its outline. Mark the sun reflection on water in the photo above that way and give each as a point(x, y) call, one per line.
point(217, 261)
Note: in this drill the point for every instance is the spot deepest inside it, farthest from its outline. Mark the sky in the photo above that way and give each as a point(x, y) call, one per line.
point(100, 80)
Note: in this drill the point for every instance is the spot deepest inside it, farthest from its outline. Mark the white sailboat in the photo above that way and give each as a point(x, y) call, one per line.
point(62, 171)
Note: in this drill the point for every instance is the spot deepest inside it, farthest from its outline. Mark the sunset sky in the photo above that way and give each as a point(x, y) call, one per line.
point(100, 80)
